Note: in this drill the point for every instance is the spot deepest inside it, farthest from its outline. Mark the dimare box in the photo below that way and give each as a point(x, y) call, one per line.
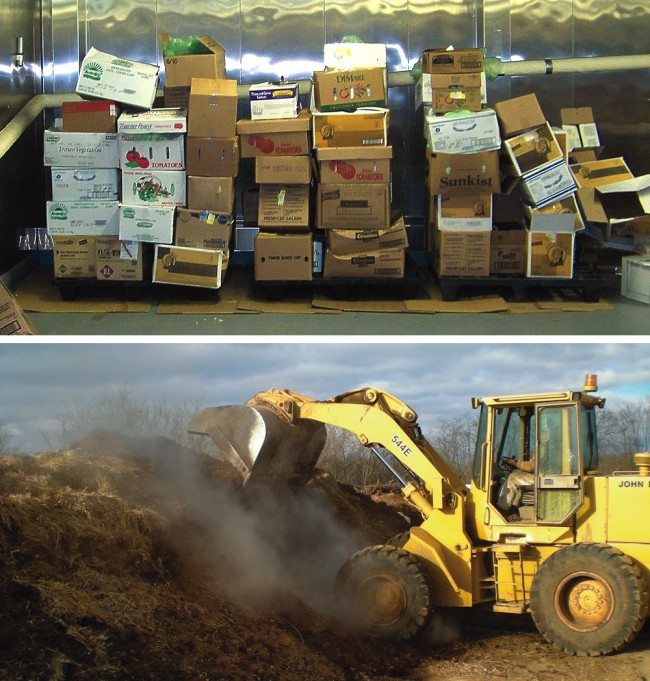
point(350, 89)
point(181, 68)
point(280, 137)
point(121, 80)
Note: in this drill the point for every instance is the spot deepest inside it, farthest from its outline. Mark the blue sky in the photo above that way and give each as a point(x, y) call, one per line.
point(436, 379)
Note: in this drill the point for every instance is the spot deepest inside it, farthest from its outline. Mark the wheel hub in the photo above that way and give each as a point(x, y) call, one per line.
point(382, 600)
point(584, 602)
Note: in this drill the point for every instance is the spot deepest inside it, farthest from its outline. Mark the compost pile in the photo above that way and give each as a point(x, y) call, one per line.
point(129, 558)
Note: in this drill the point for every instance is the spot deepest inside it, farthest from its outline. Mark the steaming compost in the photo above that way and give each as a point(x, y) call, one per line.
point(138, 558)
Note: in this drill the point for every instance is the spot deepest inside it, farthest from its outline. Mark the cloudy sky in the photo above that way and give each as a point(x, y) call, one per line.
point(436, 379)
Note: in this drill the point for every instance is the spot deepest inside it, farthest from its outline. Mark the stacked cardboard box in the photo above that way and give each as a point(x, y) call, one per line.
point(83, 215)
point(536, 162)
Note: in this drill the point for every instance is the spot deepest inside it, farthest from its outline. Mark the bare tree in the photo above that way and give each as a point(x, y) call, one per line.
point(455, 439)
point(5, 440)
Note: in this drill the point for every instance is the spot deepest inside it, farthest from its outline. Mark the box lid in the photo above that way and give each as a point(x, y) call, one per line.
point(214, 87)
point(155, 120)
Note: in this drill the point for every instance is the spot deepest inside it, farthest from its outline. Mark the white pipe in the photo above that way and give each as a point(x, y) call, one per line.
point(574, 65)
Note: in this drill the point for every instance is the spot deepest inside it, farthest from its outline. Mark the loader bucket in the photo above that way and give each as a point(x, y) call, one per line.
point(260, 444)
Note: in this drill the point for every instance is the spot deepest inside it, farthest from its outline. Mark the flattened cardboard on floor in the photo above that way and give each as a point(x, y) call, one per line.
point(188, 266)
point(353, 206)
point(283, 257)
point(284, 206)
point(355, 164)
point(180, 69)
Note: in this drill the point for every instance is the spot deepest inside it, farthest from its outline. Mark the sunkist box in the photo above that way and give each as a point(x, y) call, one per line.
point(200, 267)
point(360, 128)
point(355, 164)
point(181, 68)
point(118, 260)
point(89, 116)
point(282, 137)
point(122, 80)
point(74, 257)
point(283, 257)
point(463, 173)
point(213, 108)
point(284, 206)
point(203, 229)
point(152, 224)
point(350, 89)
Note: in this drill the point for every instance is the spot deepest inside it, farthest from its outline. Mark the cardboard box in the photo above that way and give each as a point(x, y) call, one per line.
point(213, 108)
point(533, 150)
point(580, 125)
point(200, 267)
point(283, 257)
point(560, 216)
point(453, 91)
point(164, 188)
point(442, 60)
point(350, 89)
point(75, 257)
point(152, 151)
point(80, 149)
point(121, 80)
point(627, 199)
point(284, 206)
point(180, 69)
point(463, 173)
point(508, 251)
point(338, 165)
point(85, 184)
point(159, 121)
point(283, 169)
point(216, 194)
point(350, 241)
point(344, 56)
point(92, 116)
point(111, 263)
point(478, 131)
point(213, 156)
point(600, 172)
point(151, 224)
point(282, 137)
point(274, 100)
point(464, 212)
point(85, 218)
point(176, 97)
point(385, 264)
point(461, 254)
point(519, 114)
point(635, 280)
point(203, 229)
point(12, 320)
point(360, 128)
point(549, 185)
point(550, 254)
point(353, 206)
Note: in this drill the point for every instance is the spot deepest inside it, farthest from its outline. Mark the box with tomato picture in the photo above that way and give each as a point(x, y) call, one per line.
point(275, 137)
point(338, 165)
point(166, 188)
point(152, 151)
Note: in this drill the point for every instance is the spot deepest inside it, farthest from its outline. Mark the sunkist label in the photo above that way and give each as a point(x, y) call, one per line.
point(467, 181)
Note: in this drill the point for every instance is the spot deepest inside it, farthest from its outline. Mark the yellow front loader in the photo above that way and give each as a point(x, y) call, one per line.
point(563, 543)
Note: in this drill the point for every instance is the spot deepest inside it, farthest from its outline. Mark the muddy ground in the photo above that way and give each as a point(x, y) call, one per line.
point(138, 559)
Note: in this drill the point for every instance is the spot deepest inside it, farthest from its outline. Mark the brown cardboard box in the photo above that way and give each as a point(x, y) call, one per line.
point(75, 257)
point(533, 150)
point(212, 156)
point(280, 137)
point(353, 206)
point(180, 69)
point(463, 173)
point(284, 207)
point(364, 127)
point(462, 254)
point(387, 263)
point(453, 91)
point(283, 257)
point(550, 254)
point(441, 60)
point(350, 241)
point(339, 165)
point(601, 172)
point(519, 114)
point(216, 194)
point(508, 251)
point(559, 216)
point(579, 123)
point(464, 212)
point(12, 319)
point(347, 90)
point(176, 97)
point(111, 266)
point(188, 266)
point(90, 116)
point(283, 169)
point(203, 229)
point(212, 108)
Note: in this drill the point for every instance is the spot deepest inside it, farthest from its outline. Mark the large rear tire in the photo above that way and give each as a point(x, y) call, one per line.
point(589, 599)
point(386, 592)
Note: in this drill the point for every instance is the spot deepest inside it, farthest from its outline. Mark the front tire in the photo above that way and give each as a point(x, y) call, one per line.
point(589, 599)
point(386, 592)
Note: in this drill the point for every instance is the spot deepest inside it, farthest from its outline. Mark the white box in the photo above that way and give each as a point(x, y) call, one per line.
point(120, 80)
point(166, 188)
point(549, 185)
point(156, 120)
point(85, 184)
point(80, 149)
point(152, 151)
point(478, 131)
point(92, 218)
point(274, 100)
point(345, 56)
point(152, 224)
point(635, 282)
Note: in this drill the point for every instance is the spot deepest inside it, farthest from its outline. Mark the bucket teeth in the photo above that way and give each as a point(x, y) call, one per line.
point(260, 444)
